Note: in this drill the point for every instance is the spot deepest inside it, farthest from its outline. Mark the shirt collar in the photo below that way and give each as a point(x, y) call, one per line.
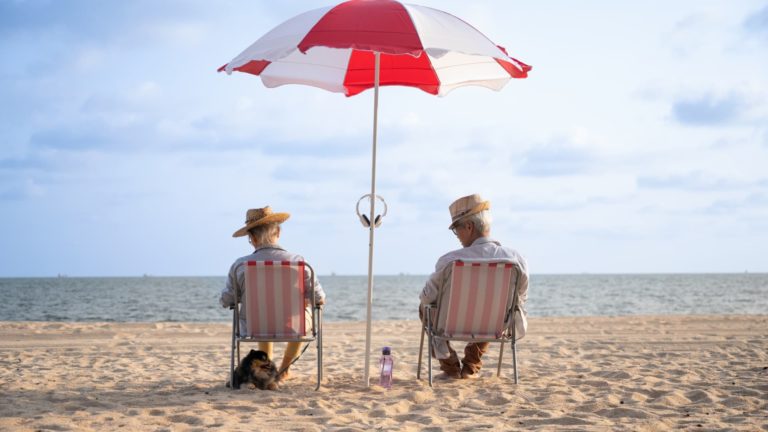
point(483, 240)
point(271, 246)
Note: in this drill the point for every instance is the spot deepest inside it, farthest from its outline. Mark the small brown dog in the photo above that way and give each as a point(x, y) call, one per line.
point(256, 368)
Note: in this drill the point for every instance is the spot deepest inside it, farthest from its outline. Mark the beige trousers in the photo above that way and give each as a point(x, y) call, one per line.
point(292, 349)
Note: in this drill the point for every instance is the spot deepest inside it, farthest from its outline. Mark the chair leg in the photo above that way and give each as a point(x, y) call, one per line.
point(429, 358)
point(514, 359)
point(232, 358)
point(319, 348)
point(430, 344)
point(501, 353)
point(421, 351)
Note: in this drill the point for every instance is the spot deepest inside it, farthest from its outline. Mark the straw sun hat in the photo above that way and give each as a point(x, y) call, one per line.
point(260, 216)
point(467, 206)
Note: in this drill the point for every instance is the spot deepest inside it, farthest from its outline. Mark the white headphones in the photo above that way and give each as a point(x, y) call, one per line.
point(364, 219)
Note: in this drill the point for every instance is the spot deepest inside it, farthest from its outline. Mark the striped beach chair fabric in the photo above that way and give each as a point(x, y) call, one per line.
point(477, 305)
point(275, 301)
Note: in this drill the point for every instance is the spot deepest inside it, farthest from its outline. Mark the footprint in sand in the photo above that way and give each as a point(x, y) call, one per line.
point(622, 413)
point(698, 396)
point(53, 427)
point(315, 412)
point(497, 401)
point(420, 397)
point(184, 418)
point(559, 421)
point(416, 418)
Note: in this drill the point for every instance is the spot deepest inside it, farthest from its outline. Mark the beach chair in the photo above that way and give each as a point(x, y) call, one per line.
point(477, 304)
point(275, 298)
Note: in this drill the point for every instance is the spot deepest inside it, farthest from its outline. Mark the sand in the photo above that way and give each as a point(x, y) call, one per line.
point(594, 373)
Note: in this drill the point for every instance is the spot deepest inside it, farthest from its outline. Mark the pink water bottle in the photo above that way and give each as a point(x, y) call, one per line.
point(387, 365)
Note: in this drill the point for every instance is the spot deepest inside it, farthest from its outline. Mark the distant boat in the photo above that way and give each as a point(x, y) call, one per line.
point(60, 275)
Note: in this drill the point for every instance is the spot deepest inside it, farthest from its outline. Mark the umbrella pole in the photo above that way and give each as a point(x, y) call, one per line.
point(376, 71)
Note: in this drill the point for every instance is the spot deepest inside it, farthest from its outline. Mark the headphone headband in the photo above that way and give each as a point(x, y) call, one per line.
point(364, 218)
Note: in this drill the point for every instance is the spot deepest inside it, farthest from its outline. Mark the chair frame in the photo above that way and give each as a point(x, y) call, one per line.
point(317, 324)
point(506, 334)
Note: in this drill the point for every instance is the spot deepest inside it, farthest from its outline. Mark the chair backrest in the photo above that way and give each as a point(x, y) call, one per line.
point(480, 297)
point(275, 299)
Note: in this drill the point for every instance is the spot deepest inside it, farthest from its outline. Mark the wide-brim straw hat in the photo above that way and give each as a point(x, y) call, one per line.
point(467, 206)
point(260, 216)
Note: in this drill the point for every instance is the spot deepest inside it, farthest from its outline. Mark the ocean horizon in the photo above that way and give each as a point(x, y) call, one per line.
point(334, 274)
point(395, 297)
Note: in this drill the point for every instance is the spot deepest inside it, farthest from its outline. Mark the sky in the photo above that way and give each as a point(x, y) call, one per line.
point(638, 143)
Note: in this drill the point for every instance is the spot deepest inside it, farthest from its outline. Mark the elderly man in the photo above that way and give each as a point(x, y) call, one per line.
point(471, 223)
point(262, 226)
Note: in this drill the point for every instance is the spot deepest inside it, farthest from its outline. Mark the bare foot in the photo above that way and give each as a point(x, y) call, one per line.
point(283, 376)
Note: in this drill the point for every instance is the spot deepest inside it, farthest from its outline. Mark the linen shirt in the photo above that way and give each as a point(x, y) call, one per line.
point(481, 248)
point(236, 277)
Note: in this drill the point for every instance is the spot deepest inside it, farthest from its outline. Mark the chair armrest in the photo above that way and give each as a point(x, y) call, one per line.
point(428, 306)
point(425, 309)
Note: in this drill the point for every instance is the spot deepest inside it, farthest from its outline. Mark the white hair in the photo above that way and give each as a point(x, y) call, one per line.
point(481, 221)
point(265, 234)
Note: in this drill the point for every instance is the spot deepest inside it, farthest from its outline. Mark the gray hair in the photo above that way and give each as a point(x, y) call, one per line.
point(481, 221)
point(265, 234)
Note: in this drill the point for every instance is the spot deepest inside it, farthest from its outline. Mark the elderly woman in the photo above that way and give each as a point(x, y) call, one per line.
point(262, 227)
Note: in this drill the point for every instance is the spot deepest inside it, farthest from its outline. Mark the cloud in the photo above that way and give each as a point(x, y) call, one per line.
point(21, 164)
point(17, 189)
point(694, 181)
point(749, 203)
point(323, 148)
point(709, 110)
point(86, 19)
point(701, 181)
point(309, 169)
point(757, 22)
point(68, 139)
point(554, 159)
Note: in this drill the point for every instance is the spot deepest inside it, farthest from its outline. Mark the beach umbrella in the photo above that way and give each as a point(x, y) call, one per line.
point(362, 44)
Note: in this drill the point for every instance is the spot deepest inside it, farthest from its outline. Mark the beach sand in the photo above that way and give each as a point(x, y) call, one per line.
point(585, 373)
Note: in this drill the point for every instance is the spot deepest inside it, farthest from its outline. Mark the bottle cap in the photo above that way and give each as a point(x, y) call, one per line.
point(386, 351)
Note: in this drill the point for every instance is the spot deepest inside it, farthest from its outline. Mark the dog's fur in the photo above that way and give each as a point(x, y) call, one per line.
point(256, 368)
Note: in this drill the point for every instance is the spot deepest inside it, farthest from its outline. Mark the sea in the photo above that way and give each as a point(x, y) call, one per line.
point(395, 297)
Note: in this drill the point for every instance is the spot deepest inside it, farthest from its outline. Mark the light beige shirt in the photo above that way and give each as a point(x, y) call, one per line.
point(482, 248)
point(236, 276)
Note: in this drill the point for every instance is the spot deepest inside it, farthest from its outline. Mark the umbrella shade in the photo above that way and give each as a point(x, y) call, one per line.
point(333, 48)
point(362, 44)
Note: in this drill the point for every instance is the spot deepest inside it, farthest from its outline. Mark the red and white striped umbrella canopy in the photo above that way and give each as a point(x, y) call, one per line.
point(333, 48)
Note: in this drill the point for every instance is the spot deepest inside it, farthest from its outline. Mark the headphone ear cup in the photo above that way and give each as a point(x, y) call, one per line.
point(365, 221)
point(377, 221)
